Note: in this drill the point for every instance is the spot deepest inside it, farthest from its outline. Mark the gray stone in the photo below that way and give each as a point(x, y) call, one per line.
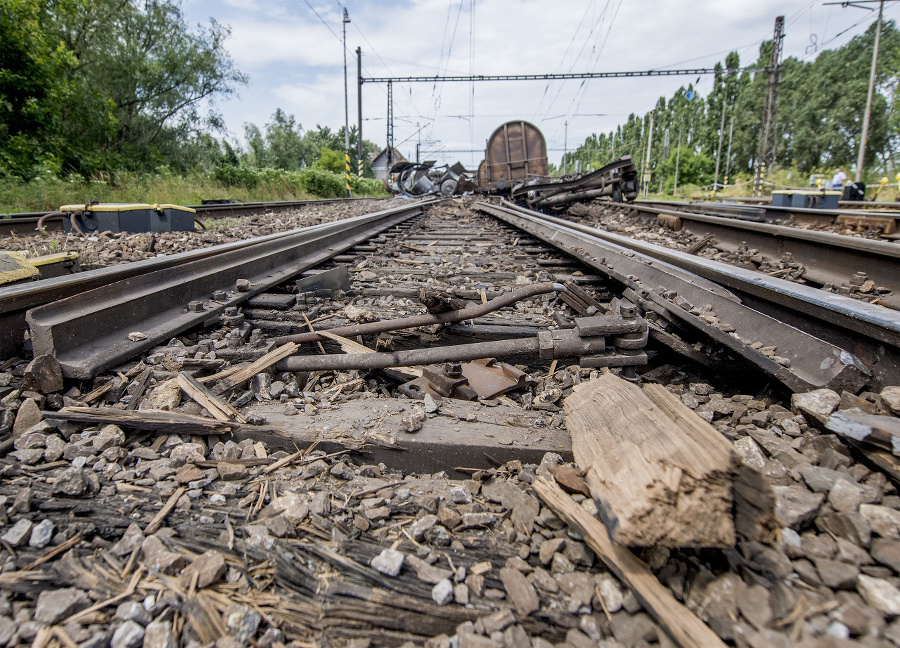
point(795, 506)
point(631, 629)
point(851, 553)
point(242, 622)
point(157, 556)
point(109, 436)
point(578, 585)
point(418, 528)
point(159, 634)
point(750, 453)
point(18, 533)
point(754, 606)
point(55, 605)
point(845, 496)
point(820, 402)
point(520, 591)
point(884, 521)
point(166, 396)
point(880, 594)
point(129, 635)
point(496, 622)
point(836, 574)
point(28, 416)
point(7, 629)
point(76, 482)
point(549, 548)
point(133, 611)
point(29, 457)
point(209, 566)
point(389, 562)
point(442, 593)
point(43, 374)
point(542, 579)
point(891, 397)
point(315, 469)
point(54, 447)
point(821, 480)
point(609, 590)
point(850, 525)
point(132, 538)
point(515, 635)
point(427, 573)
point(41, 534)
point(887, 552)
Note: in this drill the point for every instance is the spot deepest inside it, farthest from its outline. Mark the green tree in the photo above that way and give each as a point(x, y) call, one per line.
point(330, 161)
point(108, 84)
point(34, 86)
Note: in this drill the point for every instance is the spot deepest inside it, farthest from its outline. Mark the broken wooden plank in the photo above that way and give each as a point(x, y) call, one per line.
point(140, 386)
point(219, 409)
point(246, 373)
point(879, 431)
point(153, 420)
point(350, 346)
point(659, 473)
point(681, 624)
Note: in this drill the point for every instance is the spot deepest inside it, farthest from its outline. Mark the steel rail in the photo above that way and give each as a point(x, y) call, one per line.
point(840, 319)
point(100, 328)
point(827, 258)
point(813, 362)
point(15, 300)
point(775, 214)
point(23, 223)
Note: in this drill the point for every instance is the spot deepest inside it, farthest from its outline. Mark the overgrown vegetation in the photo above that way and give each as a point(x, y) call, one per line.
point(49, 193)
point(818, 128)
point(114, 100)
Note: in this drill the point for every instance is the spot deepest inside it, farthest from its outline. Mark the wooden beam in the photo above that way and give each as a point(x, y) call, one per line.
point(219, 409)
point(681, 624)
point(241, 376)
point(659, 473)
point(153, 420)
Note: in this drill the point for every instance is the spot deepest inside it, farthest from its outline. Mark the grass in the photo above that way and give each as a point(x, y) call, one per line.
point(49, 194)
point(742, 187)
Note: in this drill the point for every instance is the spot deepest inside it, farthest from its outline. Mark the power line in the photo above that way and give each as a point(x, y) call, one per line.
point(323, 22)
point(544, 77)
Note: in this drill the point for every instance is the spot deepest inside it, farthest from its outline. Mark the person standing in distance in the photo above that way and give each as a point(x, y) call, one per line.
point(837, 182)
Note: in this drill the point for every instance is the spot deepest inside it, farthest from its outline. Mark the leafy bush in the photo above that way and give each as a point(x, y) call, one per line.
point(320, 182)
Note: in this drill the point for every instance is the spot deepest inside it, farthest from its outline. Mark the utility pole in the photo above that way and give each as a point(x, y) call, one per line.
point(721, 133)
point(359, 138)
point(678, 156)
point(767, 136)
point(565, 146)
point(728, 155)
point(647, 159)
point(861, 157)
point(346, 110)
point(390, 126)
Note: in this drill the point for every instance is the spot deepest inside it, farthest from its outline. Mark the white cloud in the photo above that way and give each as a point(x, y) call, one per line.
point(295, 62)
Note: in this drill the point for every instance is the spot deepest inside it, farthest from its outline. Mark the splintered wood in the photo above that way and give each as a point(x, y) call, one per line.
point(660, 474)
point(679, 621)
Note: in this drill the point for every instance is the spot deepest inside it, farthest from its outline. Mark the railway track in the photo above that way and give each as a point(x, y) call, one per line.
point(837, 263)
point(89, 330)
point(858, 218)
point(339, 375)
point(25, 223)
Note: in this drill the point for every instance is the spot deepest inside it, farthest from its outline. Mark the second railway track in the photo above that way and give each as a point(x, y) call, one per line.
point(784, 330)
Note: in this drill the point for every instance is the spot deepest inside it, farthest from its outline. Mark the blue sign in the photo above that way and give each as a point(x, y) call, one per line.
point(689, 94)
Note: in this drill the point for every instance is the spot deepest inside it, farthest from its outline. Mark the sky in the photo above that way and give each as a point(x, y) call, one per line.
point(292, 51)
